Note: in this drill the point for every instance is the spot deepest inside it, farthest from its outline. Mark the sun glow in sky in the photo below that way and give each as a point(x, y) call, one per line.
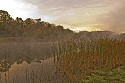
point(74, 14)
point(18, 9)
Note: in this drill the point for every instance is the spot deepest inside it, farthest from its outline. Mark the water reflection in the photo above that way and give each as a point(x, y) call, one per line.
point(28, 63)
point(43, 72)
point(4, 65)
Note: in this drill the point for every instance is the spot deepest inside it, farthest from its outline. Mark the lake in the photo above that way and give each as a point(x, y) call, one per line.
point(28, 62)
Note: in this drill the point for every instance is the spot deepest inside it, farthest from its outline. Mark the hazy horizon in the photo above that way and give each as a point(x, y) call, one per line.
point(87, 15)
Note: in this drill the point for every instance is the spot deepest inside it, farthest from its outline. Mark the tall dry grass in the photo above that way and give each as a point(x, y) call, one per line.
point(77, 59)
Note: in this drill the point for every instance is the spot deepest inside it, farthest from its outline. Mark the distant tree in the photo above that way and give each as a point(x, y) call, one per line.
point(5, 20)
point(60, 27)
point(37, 20)
point(4, 16)
point(19, 20)
point(29, 21)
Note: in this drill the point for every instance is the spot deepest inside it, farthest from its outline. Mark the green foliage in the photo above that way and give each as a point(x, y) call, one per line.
point(94, 79)
point(116, 75)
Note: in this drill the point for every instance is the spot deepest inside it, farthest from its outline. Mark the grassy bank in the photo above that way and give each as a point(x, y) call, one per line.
point(116, 75)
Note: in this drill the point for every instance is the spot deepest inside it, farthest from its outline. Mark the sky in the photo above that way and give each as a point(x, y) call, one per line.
point(90, 15)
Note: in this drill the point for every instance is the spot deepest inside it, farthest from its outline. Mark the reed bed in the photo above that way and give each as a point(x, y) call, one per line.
point(78, 59)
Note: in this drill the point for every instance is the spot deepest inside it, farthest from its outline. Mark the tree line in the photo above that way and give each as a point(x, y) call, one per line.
point(36, 28)
point(29, 27)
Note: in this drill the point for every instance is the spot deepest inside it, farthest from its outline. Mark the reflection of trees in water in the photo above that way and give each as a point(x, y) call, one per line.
point(6, 61)
point(29, 59)
point(5, 64)
point(33, 73)
point(25, 51)
point(45, 72)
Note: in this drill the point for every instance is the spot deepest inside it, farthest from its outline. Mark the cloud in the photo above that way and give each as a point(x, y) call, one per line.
point(114, 20)
point(59, 6)
point(103, 14)
point(18, 8)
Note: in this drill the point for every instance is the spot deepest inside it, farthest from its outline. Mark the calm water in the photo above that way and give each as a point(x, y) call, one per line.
point(42, 72)
point(28, 63)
